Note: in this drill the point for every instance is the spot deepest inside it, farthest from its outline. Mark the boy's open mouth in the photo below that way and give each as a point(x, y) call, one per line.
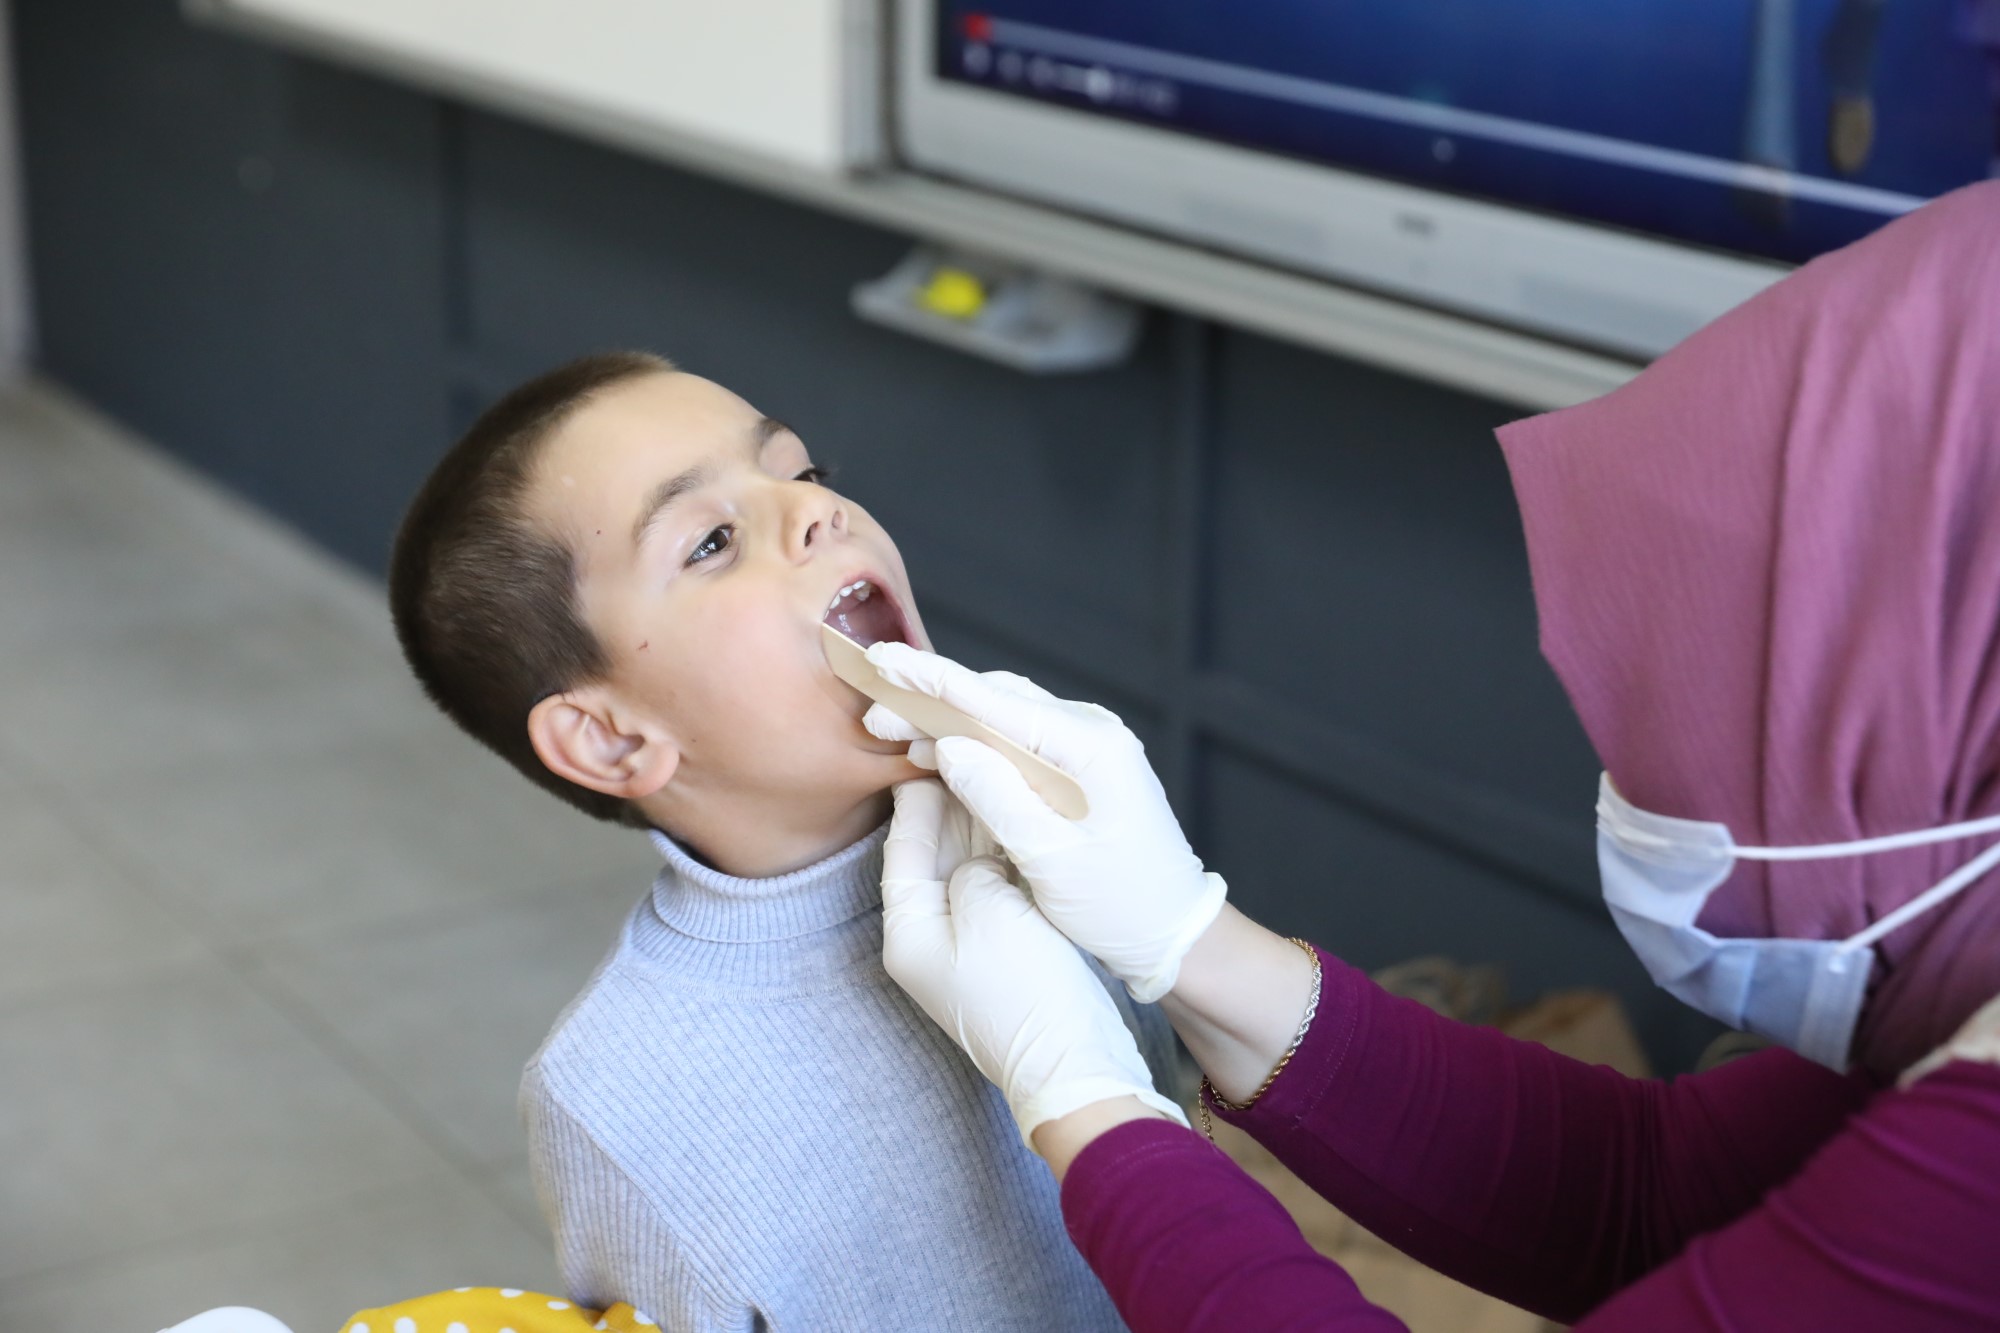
point(867, 614)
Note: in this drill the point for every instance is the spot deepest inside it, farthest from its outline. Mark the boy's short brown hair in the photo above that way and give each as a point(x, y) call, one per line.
point(484, 602)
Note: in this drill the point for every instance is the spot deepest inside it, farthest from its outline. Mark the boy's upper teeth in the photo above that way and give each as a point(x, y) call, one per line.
point(861, 588)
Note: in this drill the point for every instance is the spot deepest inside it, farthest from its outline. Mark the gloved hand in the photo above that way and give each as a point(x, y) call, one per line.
point(1122, 882)
point(971, 949)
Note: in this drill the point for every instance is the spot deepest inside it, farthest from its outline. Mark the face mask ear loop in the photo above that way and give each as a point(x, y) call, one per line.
point(1959, 879)
point(1891, 842)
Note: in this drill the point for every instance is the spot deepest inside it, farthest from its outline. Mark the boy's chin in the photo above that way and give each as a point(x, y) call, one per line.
point(888, 766)
point(897, 768)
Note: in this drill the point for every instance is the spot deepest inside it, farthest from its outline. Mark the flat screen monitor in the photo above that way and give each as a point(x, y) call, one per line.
point(1609, 172)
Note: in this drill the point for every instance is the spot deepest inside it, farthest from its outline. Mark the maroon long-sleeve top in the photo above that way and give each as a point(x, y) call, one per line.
point(1766, 1194)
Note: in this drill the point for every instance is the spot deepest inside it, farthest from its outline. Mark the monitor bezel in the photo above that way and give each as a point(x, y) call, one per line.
point(1580, 282)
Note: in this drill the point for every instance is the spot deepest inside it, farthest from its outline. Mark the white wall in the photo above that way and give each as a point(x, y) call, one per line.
point(774, 77)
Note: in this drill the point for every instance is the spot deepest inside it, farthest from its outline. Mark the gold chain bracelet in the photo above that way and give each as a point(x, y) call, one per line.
point(1208, 1093)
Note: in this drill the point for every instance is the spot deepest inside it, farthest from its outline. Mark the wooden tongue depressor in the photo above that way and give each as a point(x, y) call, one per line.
point(935, 718)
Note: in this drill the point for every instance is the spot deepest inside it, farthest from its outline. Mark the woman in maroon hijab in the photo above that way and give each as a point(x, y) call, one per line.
point(1768, 573)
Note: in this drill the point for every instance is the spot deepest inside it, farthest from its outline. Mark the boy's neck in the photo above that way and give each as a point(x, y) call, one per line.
point(762, 842)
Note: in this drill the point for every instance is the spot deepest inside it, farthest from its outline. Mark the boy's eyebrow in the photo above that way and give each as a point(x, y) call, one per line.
point(693, 479)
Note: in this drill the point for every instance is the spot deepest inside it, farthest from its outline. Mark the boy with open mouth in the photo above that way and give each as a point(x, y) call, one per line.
point(617, 581)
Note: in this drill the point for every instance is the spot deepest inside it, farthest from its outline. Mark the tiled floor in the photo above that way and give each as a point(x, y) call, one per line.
point(276, 938)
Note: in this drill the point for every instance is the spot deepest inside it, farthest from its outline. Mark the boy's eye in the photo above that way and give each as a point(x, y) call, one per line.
point(714, 544)
point(816, 475)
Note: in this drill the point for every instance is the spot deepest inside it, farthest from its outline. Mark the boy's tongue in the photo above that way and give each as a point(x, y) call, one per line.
point(868, 616)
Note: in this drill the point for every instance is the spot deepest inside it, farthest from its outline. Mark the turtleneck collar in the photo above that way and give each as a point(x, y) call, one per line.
point(705, 904)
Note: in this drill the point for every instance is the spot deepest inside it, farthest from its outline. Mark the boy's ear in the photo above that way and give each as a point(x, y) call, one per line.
point(580, 736)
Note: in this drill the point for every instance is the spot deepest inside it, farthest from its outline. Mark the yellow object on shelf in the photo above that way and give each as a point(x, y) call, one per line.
point(954, 293)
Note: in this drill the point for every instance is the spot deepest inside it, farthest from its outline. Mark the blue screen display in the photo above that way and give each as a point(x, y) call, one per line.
point(1780, 128)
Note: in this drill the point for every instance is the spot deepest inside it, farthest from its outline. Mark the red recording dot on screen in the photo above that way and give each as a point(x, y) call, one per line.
point(977, 27)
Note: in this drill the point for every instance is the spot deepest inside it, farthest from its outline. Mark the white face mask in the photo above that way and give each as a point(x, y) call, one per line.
point(1805, 994)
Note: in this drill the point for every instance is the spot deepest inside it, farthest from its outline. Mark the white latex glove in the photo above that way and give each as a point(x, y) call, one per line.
point(1003, 983)
point(1122, 882)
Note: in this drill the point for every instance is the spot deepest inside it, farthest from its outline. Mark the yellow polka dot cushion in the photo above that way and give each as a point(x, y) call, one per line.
point(495, 1310)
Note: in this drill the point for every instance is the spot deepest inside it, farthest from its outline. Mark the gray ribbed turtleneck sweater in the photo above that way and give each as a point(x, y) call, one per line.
point(742, 1123)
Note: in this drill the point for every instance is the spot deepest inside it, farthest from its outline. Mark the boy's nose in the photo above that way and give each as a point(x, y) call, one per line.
point(815, 522)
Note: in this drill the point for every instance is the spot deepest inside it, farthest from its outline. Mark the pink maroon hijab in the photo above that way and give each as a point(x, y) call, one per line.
point(1768, 572)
